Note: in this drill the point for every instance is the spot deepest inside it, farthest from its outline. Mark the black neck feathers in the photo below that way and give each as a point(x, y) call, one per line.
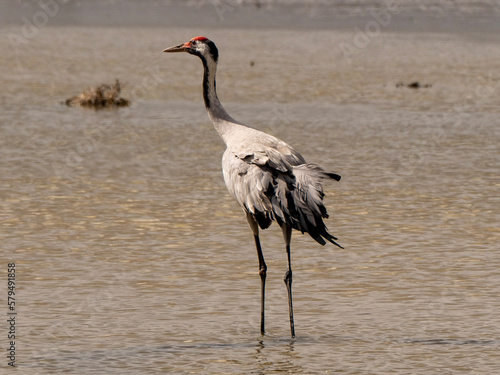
point(208, 84)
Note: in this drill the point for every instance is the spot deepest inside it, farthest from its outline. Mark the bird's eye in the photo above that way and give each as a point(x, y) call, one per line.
point(194, 42)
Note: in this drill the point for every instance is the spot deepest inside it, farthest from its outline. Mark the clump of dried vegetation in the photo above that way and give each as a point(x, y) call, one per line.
point(102, 96)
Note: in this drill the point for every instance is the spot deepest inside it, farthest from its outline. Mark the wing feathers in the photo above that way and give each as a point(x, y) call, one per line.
point(279, 185)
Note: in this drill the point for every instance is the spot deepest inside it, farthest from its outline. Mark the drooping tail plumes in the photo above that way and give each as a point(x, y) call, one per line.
point(297, 201)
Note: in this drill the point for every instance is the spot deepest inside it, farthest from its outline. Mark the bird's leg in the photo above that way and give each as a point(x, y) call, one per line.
point(262, 268)
point(287, 235)
point(262, 273)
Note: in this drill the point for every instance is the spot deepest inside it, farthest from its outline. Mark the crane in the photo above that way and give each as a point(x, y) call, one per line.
point(267, 177)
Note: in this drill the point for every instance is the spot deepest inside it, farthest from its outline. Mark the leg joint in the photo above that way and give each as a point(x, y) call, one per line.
point(288, 276)
point(263, 270)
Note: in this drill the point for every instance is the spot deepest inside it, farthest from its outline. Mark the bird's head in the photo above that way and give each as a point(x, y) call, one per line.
point(199, 46)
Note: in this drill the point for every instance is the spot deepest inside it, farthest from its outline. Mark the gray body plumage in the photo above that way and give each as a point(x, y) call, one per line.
point(272, 181)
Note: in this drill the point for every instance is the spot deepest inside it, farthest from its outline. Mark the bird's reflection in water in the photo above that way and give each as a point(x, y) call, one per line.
point(277, 355)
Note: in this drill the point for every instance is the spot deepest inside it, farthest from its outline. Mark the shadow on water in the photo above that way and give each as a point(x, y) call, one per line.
point(408, 341)
point(452, 342)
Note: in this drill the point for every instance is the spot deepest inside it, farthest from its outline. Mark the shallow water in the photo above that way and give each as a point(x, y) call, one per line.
point(131, 256)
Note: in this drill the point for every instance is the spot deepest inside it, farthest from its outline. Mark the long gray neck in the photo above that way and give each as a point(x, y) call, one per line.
point(223, 123)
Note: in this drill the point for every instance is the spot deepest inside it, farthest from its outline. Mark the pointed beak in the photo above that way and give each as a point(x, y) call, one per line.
point(179, 48)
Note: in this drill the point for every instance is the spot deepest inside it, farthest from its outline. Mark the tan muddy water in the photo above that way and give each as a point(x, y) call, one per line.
point(131, 257)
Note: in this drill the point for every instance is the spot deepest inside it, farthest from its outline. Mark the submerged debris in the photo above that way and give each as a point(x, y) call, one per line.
point(102, 96)
point(413, 85)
